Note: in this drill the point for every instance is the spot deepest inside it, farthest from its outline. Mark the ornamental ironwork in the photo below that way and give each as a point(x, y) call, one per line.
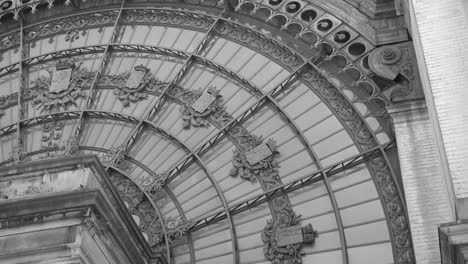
point(70, 148)
point(199, 106)
point(176, 228)
point(256, 160)
point(284, 237)
point(129, 87)
point(50, 140)
point(17, 155)
point(62, 87)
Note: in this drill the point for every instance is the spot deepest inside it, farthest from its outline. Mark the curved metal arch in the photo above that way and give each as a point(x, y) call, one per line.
point(313, 155)
point(357, 143)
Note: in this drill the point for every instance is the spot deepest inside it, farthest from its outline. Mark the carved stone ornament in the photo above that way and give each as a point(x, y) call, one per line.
point(396, 63)
point(284, 237)
point(257, 160)
point(130, 88)
point(199, 106)
point(62, 88)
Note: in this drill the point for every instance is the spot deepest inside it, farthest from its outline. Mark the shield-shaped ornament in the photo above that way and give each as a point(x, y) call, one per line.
point(135, 78)
point(60, 80)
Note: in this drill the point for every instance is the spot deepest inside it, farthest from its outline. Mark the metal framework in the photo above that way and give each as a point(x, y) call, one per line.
point(193, 155)
point(102, 67)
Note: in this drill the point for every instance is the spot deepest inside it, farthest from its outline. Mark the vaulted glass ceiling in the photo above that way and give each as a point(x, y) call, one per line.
point(184, 174)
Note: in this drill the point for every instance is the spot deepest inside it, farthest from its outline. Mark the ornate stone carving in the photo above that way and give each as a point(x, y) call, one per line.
point(262, 157)
point(130, 87)
point(284, 237)
point(396, 63)
point(62, 88)
point(199, 106)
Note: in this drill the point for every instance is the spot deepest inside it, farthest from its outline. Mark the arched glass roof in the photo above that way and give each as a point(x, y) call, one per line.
point(179, 100)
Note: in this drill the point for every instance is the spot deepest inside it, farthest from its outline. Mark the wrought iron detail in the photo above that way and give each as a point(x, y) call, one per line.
point(198, 106)
point(177, 228)
point(266, 168)
point(70, 148)
point(129, 86)
point(139, 207)
point(61, 88)
point(283, 236)
point(50, 140)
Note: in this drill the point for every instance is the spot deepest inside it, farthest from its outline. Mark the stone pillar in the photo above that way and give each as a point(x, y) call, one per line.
point(425, 190)
point(439, 31)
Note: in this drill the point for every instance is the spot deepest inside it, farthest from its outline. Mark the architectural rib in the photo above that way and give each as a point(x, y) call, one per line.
point(326, 182)
point(102, 67)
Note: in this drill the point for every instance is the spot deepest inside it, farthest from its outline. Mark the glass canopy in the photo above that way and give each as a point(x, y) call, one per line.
point(210, 125)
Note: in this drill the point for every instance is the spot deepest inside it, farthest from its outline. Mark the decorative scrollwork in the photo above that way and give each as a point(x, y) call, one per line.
point(62, 87)
point(139, 206)
point(283, 236)
point(115, 158)
point(198, 106)
point(129, 86)
point(176, 228)
point(70, 148)
point(256, 160)
point(51, 135)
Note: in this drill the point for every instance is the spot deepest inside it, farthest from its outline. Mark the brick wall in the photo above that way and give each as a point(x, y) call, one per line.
point(426, 196)
point(443, 30)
